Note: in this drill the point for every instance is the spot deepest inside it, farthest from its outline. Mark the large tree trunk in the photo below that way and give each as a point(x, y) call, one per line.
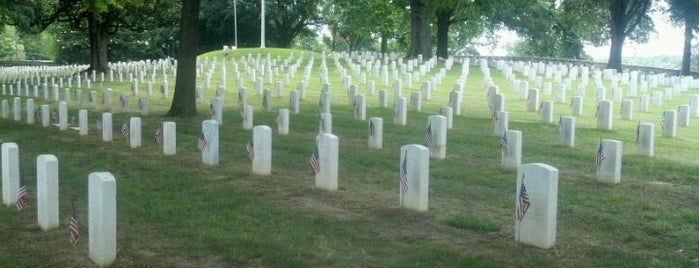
point(615, 53)
point(687, 53)
point(184, 101)
point(618, 27)
point(420, 41)
point(99, 40)
point(443, 23)
point(384, 44)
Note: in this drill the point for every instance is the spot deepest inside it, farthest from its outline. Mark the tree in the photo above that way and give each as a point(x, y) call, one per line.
point(684, 12)
point(287, 19)
point(101, 19)
point(626, 18)
point(184, 100)
point(420, 34)
point(466, 14)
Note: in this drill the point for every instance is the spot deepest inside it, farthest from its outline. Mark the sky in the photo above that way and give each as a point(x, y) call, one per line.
point(667, 40)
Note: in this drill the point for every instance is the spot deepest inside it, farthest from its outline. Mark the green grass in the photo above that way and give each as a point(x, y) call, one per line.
point(471, 222)
point(175, 212)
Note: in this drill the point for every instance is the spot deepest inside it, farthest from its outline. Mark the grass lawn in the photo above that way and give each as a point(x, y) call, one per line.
point(174, 211)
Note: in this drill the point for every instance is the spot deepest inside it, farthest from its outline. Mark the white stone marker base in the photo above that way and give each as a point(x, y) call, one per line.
point(107, 134)
point(604, 115)
point(375, 133)
point(30, 112)
point(217, 105)
point(10, 173)
point(668, 125)
point(47, 191)
point(45, 115)
point(62, 115)
point(546, 112)
point(325, 124)
point(511, 149)
point(135, 132)
point(609, 165)
point(535, 215)
point(644, 103)
point(82, 122)
point(169, 138)
point(627, 110)
point(566, 131)
point(500, 123)
point(283, 122)
point(645, 139)
point(248, 114)
point(400, 111)
point(102, 209)
point(17, 109)
point(448, 112)
point(437, 132)
point(209, 129)
point(262, 150)
point(414, 172)
point(326, 178)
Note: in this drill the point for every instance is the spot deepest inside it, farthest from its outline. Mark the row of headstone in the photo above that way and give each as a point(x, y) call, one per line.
point(101, 201)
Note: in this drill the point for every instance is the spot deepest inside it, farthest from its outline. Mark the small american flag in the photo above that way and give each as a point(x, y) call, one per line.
point(240, 97)
point(201, 143)
point(250, 149)
point(403, 174)
point(99, 124)
point(21, 195)
point(315, 161)
point(601, 155)
point(122, 101)
point(74, 228)
point(212, 113)
point(494, 118)
point(428, 135)
point(141, 104)
point(638, 133)
point(265, 100)
point(522, 201)
point(158, 136)
point(125, 129)
point(503, 143)
point(371, 128)
point(597, 111)
point(321, 124)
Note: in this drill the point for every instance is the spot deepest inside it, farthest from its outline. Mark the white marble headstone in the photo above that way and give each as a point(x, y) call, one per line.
point(47, 191)
point(102, 213)
point(536, 203)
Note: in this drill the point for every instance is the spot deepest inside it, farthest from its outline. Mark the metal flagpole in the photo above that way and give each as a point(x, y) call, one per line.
point(235, 22)
point(262, 25)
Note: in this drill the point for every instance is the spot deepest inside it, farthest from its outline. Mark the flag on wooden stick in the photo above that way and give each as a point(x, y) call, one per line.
point(21, 195)
point(522, 201)
point(315, 161)
point(74, 228)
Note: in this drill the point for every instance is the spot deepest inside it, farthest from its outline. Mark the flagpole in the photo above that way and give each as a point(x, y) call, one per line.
point(235, 22)
point(262, 25)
